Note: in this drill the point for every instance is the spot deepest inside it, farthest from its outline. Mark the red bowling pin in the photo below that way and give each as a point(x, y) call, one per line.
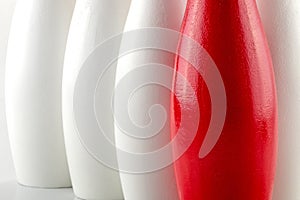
point(241, 165)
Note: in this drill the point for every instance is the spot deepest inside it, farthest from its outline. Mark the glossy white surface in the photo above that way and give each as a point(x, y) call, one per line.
point(161, 184)
point(33, 91)
point(10, 190)
point(94, 21)
point(281, 20)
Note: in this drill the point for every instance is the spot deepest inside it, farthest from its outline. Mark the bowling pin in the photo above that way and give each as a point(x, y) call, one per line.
point(241, 165)
point(281, 20)
point(158, 184)
point(33, 79)
point(93, 22)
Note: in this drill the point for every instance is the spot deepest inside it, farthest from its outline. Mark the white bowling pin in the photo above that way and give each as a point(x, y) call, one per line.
point(94, 21)
point(161, 184)
point(281, 21)
point(34, 65)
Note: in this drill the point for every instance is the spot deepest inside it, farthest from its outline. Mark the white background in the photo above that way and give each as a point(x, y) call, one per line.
point(6, 165)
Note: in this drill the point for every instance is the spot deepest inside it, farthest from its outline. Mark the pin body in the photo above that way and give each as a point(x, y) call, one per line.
point(242, 163)
point(281, 21)
point(33, 91)
point(161, 184)
point(93, 22)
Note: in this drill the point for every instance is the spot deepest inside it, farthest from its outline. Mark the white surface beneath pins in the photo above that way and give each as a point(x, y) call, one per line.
point(12, 191)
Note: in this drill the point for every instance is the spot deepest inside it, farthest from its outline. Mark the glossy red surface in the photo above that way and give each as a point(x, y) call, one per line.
point(241, 166)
